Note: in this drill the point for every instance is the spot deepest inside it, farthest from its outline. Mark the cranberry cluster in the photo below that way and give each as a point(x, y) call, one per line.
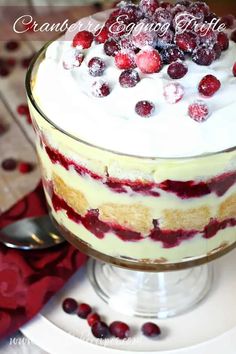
point(99, 328)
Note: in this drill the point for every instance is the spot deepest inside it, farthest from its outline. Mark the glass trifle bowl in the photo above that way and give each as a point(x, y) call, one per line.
point(152, 223)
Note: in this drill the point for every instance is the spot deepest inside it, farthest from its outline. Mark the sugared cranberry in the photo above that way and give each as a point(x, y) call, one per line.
point(83, 39)
point(129, 78)
point(84, 310)
point(143, 39)
point(173, 92)
point(144, 108)
point(186, 41)
point(24, 167)
point(96, 66)
point(177, 70)
point(12, 45)
point(177, 9)
point(171, 54)
point(93, 318)
point(150, 329)
point(119, 329)
point(198, 111)
point(203, 56)
point(23, 109)
point(217, 50)
point(72, 58)
point(199, 7)
point(233, 36)
point(125, 59)
point(162, 16)
point(4, 71)
point(111, 47)
point(9, 164)
point(209, 85)
point(210, 17)
point(100, 89)
point(126, 42)
point(100, 330)
point(164, 40)
point(149, 61)
point(228, 20)
point(223, 40)
point(234, 69)
point(69, 305)
point(148, 7)
point(101, 35)
point(166, 5)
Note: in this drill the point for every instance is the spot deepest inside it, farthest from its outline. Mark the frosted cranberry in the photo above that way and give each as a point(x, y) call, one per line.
point(23, 109)
point(100, 89)
point(119, 329)
point(228, 20)
point(198, 111)
point(129, 78)
point(149, 61)
point(206, 35)
point(69, 305)
point(83, 39)
point(111, 47)
point(144, 108)
point(96, 66)
point(210, 17)
point(164, 40)
point(143, 39)
point(4, 71)
point(148, 7)
point(100, 330)
point(233, 36)
point(72, 58)
point(24, 167)
point(12, 45)
point(182, 21)
point(101, 35)
point(9, 164)
point(93, 318)
point(203, 56)
point(177, 70)
point(162, 16)
point(234, 69)
point(84, 310)
point(173, 92)
point(209, 85)
point(217, 50)
point(171, 54)
point(126, 42)
point(177, 9)
point(166, 5)
point(223, 40)
point(114, 28)
point(125, 59)
point(186, 41)
point(150, 329)
point(199, 7)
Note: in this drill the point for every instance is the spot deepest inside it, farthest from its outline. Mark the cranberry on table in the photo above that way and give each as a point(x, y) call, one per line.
point(125, 59)
point(83, 39)
point(84, 310)
point(234, 69)
point(173, 92)
point(223, 40)
point(25, 167)
point(144, 108)
point(93, 318)
point(119, 329)
point(100, 89)
point(149, 61)
point(209, 85)
point(198, 111)
point(12, 45)
point(111, 47)
point(177, 70)
point(69, 305)
point(9, 164)
point(96, 66)
point(129, 78)
point(100, 330)
point(150, 329)
point(101, 35)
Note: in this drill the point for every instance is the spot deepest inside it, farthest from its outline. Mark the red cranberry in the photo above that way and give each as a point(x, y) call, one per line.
point(84, 310)
point(228, 20)
point(199, 7)
point(171, 54)
point(217, 50)
point(162, 16)
point(83, 39)
point(129, 78)
point(100, 330)
point(150, 329)
point(210, 17)
point(234, 69)
point(233, 36)
point(126, 42)
point(209, 85)
point(72, 58)
point(206, 36)
point(101, 35)
point(198, 111)
point(177, 70)
point(100, 89)
point(186, 41)
point(223, 40)
point(96, 66)
point(164, 40)
point(203, 56)
point(119, 329)
point(24, 167)
point(4, 71)
point(177, 9)
point(143, 39)
point(125, 59)
point(173, 92)
point(166, 5)
point(23, 109)
point(111, 47)
point(149, 61)
point(9, 164)
point(69, 305)
point(148, 7)
point(144, 108)
point(93, 318)
point(12, 45)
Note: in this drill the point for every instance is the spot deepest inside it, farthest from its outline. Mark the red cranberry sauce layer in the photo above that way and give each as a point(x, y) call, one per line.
point(185, 190)
point(168, 238)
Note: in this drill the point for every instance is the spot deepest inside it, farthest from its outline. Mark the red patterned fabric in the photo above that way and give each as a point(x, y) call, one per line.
point(29, 278)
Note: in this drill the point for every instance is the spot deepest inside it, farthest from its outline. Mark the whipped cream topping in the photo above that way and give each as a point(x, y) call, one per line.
point(65, 96)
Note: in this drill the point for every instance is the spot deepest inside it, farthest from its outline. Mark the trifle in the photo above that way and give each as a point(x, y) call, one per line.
point(136, 130)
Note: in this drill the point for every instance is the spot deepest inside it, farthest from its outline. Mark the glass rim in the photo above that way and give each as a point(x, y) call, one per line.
point(30, 96)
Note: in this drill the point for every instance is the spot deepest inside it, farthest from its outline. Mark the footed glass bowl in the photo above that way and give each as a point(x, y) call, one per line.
point(145, 214)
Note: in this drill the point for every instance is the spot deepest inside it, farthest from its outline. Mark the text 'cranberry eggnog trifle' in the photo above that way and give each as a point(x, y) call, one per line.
point(135, 116)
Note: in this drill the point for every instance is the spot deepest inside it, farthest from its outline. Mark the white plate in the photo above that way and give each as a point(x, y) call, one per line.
point(209, 328)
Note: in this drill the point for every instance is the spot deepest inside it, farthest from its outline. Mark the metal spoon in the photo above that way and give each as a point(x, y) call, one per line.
point(31, 233)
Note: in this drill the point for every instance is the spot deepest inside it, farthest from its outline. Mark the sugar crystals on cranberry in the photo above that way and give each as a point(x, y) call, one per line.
point(129, 78)
point(203, 55)
point(96, 66)
point(144, 108)
point(83, 39)
point(100, 88)
point(209, 85)
point(223, 40)
point(125, 59)
point(149, 60)
point(186, 41)
point(198, 111)
point(177, 70)
point(171, 54)
point(111, 47)
point(173, 92)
